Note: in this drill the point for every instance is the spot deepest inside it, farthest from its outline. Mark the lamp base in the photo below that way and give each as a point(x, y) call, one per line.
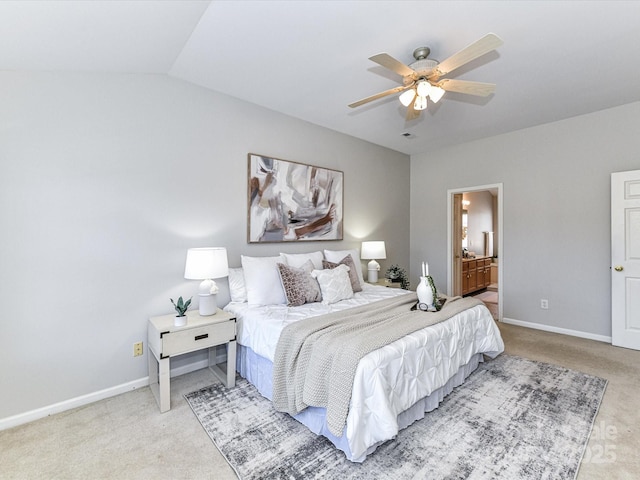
point(207, 304)
point(373, 268)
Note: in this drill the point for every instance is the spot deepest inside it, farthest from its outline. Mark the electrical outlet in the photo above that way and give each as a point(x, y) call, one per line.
point(137, 349)
point(544, 303)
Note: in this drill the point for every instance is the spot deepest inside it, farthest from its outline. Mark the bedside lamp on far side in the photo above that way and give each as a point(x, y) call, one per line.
point(206, 264)
point(373, 251)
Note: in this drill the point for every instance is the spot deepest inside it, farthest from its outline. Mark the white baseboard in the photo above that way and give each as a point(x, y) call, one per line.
point(26, 417)
point(65, 405)
point(564, 331)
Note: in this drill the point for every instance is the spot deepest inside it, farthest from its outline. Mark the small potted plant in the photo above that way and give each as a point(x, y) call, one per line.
point(181, 307)
point(397, 274)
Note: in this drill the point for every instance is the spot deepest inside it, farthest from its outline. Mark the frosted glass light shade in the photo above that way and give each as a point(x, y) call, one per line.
point(435, 94)
point(206, 263)
point(421, 103)
point(423, 88)
point(373, 250)
point(407, 97)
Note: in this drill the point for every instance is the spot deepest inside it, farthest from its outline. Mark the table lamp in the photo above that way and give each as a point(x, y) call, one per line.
point(206, 264)
point(372, 251)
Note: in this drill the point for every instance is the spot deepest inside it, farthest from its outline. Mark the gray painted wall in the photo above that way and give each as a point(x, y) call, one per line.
point(556, 184)
point(106, 180)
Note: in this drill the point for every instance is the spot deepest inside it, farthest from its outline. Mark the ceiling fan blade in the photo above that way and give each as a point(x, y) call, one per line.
point(380, 95)
point(412, 113)
point(479, 89)
point(486, 44)
point(387, 61)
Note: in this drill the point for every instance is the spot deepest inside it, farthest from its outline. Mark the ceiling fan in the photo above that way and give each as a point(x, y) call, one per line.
point(422, 79)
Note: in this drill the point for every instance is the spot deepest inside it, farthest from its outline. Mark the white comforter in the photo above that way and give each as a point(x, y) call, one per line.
point(388, 380)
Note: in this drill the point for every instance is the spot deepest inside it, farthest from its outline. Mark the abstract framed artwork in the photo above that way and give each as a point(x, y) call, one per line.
point(293, 202)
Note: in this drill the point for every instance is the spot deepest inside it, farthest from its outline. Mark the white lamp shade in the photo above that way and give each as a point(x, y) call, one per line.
point(373, 250)
point(206, 263)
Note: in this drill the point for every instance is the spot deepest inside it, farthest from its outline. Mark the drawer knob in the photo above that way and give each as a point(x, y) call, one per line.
point(201, 337)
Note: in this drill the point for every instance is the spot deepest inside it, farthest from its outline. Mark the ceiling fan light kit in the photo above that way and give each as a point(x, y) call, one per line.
point(422, 78)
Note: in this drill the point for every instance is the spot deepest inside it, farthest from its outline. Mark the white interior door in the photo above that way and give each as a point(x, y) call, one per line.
point(625, 259)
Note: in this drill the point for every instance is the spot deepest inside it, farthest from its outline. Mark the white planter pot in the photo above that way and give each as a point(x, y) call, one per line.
point(180, 321)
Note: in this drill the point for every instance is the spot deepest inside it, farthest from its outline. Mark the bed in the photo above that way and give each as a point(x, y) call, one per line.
point(394, 385)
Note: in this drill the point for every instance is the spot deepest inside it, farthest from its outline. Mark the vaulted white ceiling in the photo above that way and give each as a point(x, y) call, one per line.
point(309, 59)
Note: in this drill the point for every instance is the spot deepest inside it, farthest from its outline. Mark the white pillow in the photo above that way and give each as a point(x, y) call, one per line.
point(262, 280)
point(237, 288)
point(335, 284)
point(297, 260)
point(335, 256)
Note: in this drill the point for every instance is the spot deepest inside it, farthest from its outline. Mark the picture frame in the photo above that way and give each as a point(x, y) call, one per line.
point(292, 202)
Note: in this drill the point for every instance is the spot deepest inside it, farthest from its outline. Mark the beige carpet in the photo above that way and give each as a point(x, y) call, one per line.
point(126, 437)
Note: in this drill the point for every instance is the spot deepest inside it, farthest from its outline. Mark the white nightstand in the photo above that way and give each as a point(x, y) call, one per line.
point(166, 340)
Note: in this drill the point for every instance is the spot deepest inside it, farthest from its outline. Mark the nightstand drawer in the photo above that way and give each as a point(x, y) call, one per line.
point(191, 339)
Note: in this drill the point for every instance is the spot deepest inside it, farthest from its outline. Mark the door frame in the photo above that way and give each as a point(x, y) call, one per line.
point(456, 230)
point(450, 226)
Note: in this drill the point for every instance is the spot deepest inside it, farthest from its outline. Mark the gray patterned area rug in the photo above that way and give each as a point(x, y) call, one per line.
point(512, 419)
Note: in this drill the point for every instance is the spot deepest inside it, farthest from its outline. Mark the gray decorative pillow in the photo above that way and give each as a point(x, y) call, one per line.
point(299, 286)
point(353, 273)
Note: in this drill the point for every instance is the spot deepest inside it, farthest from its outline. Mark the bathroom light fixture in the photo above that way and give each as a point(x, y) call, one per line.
point(372, 251)
point(206, 264)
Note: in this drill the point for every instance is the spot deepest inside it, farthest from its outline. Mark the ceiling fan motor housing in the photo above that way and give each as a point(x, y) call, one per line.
point(421, 53)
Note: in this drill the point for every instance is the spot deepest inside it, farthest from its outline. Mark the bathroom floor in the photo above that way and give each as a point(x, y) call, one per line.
point(490, 298)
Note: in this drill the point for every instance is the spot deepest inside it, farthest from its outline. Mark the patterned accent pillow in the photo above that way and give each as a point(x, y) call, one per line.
point(353, 274)
point(334, 284)
point(299, 286)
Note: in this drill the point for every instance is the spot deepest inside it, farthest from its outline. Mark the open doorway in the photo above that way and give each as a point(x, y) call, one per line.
point(475, 250)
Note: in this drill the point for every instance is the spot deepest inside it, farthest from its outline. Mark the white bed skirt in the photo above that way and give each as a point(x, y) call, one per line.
point(258, 371)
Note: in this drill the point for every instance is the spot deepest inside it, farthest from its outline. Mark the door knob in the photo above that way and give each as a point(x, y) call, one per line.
point(618, 268)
